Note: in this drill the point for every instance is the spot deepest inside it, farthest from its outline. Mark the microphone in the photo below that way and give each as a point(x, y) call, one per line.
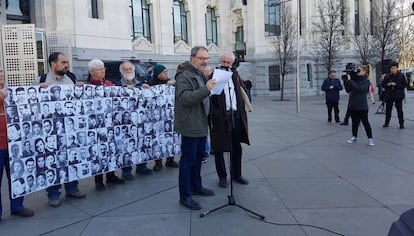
point(227, 68)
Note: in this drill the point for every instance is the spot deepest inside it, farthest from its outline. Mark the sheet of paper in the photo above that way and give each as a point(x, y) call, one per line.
point(221, 77)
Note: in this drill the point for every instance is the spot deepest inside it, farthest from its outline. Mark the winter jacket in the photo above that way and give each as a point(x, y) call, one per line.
point(219, 122)
point(331, 95)
point(358, 89)
point(394, 93)
point(190, 115)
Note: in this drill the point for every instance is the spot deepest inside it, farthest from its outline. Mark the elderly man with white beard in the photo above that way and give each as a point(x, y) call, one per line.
point(127, 70)
point(128, 79)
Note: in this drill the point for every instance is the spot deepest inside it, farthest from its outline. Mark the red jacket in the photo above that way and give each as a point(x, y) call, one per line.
point(104, 82)
point(3, 127)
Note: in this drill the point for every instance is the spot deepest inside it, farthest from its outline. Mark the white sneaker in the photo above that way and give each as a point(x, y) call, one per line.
point(371, 142)
point(352, 140)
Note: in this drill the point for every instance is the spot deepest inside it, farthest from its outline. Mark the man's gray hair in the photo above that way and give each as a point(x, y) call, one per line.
point(126, 62)
point(95, 63)
point(227, 53)
point(195, 50)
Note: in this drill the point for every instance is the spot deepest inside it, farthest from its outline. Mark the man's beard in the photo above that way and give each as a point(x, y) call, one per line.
point(61, 72)
point(129, 76)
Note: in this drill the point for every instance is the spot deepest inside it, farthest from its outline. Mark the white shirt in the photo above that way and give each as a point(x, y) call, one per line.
point(231, 101)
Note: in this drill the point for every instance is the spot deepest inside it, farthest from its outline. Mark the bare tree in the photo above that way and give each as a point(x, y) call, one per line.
point(405, 36)
point(383, 30)
point(328, 31)
point(283, 44)
point(365, 45)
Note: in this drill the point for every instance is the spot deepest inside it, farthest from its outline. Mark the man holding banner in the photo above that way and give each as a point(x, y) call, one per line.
point(97, 71)
point(59, 66)
point(127, 70)
point(16, 205)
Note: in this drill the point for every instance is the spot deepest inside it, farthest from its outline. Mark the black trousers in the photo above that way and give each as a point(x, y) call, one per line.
point(332, 105)
point(360, 116)
point(347, 114)
point(235, 155)
point(388, 109)
point(109, 175)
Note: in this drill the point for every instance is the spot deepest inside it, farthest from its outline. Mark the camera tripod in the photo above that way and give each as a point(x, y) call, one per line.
point(380, 109)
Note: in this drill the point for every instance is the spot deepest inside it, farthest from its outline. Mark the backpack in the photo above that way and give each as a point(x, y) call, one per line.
point(69, 74)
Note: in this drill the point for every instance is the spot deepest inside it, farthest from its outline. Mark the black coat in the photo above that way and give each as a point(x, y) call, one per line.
point(394, 93)
point(358, 89)
point(218, 122)
point(331, 95)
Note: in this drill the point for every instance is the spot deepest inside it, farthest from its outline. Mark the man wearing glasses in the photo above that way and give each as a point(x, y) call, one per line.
point(97, 70)
point(191, 110)
point(59, 66)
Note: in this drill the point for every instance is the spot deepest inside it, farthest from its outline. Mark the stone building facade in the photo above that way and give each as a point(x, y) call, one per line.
point(164, 31)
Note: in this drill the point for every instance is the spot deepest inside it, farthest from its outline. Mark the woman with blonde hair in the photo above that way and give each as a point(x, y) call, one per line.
point(358, 84)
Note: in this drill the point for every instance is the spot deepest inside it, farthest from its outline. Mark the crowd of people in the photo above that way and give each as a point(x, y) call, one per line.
point(198, 113)
point(358, 84)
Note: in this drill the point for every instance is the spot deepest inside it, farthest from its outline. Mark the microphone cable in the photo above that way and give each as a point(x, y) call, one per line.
point(295, 224)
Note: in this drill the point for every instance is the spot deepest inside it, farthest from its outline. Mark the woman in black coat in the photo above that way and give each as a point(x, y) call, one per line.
point(357, 85)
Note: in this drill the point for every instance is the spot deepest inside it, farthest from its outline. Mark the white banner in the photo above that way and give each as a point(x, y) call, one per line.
point(64, 133)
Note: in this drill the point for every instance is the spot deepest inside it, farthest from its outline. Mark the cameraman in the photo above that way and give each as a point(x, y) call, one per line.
point(357, 84)
point(394, 85)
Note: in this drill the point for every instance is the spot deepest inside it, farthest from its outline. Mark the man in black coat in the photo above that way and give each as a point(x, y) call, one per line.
point(332, 86)
point(228, 124)
point(394, 85)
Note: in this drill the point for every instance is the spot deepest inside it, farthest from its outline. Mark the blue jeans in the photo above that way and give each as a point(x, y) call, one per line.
point(192, 151)
point(17, 203)
point(207, 146)
point(54, 193)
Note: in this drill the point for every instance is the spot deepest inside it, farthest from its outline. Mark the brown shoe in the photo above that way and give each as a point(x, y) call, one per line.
point(25, 212)
point(171, 163)
point(114, 180)
point(54, 202)
point(241, 180)
point(223, 182)
point(77, 194)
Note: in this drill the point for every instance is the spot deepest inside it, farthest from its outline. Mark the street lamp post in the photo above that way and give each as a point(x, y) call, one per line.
point(298, 60)
point(297, 51)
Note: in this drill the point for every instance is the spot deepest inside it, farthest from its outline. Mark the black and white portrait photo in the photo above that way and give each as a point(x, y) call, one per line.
point(64, 133)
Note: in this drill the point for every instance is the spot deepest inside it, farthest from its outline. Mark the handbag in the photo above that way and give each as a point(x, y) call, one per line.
point(247, 105)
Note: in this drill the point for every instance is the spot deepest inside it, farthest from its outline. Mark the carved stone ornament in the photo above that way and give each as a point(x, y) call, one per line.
point(237, 18)
point(211, 3)
point(181, 47)
point(142, 44)
point(213, 49)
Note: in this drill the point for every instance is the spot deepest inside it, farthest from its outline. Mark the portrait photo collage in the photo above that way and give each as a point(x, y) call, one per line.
point(64, 133)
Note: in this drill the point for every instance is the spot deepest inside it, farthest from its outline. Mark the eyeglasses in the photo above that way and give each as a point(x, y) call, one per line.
point(203, 58)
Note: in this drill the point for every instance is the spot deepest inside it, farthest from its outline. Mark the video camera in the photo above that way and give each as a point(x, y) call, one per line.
point(352, 70)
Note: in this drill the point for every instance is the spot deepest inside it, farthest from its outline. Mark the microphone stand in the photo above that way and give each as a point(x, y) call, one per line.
point(231, 201)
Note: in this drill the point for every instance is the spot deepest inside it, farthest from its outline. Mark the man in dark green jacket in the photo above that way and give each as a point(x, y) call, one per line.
point(191, 109)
